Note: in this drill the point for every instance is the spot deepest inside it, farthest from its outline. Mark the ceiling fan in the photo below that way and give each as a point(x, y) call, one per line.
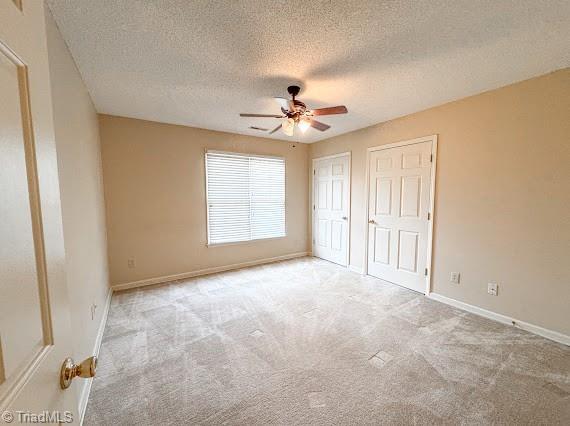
point(296, 114)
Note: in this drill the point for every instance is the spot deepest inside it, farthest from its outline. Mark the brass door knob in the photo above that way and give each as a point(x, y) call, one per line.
point(372, 221)
point(69, 370)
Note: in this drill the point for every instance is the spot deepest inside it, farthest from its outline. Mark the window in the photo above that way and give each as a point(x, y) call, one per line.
point(245, 197)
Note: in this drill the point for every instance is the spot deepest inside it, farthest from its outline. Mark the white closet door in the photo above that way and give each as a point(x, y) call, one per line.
point(35, 330)
point(331, 198)
point(398, 209)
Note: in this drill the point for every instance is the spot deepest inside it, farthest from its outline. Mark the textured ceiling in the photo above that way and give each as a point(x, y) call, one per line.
point(202, 62)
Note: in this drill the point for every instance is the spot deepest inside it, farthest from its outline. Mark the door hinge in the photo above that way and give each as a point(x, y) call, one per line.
point(313, 207)
point(426, 272)
point(429, 215)
point(431, 158)
point(314, 171)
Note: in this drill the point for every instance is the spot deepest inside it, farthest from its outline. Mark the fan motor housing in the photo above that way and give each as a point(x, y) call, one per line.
point(293, 90)
point(300, 109)
point(300, 106)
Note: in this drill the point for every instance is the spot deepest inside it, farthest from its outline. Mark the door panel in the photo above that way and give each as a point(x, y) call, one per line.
point(408, 251)
point(383, 163)
point(382, 245)
point(22, 336)
point(398, 214)
point(337, 227)
point(383, 196)
point(331, 209)
point(337, 189)
point(323, 193)
point(410, 196)
point(322, 231)
point(34, 307)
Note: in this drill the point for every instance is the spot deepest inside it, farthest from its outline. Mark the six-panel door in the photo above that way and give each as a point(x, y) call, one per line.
point(35, 332)
point(398, 209)
point(331, 209)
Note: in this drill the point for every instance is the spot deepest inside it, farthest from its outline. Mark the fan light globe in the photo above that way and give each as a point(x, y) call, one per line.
point(288, 126)
point(304, 125)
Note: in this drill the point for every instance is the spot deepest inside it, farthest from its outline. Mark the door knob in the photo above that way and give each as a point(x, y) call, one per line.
point(344, 218)
point(70, 370)
point(371, 221)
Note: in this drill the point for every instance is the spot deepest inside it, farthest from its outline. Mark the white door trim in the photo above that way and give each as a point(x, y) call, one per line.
point(328, 157)
point(312, 206)
point(433, 140)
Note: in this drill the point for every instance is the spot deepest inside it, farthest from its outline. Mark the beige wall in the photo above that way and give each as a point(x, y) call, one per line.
point(156, 206)
point(502, 211)
point(81, 187)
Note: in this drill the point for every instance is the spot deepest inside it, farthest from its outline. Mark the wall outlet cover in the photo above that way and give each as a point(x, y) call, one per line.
point(493, 289)
point(455, 277)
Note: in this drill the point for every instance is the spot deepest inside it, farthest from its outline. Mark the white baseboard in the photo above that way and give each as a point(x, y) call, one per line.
point(535, 329)
point(84, 398)
point(207, 271)
point(356, 269)
point(101, 330)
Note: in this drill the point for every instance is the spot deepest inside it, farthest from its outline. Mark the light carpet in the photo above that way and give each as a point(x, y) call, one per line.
point(306, 342)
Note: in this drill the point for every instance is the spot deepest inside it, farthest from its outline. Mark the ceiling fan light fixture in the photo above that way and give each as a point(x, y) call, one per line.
point(295, 113)
point(288, 126)
point(304, 125)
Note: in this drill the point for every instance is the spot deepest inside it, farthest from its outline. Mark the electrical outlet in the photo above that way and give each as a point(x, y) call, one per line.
point(493, 289)
point(455, 277)
point(131, 263)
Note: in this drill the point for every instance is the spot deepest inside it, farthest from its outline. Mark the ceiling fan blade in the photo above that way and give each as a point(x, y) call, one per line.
point(283, 103)
point(274, 130)
point(341, 109)
point(262, 115)
point(319, 126)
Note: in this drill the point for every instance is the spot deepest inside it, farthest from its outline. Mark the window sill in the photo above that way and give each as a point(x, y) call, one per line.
point(235, 243)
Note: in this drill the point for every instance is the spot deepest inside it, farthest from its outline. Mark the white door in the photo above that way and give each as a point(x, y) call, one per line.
point(331, 206)
point(35, 330)
point(398, 207)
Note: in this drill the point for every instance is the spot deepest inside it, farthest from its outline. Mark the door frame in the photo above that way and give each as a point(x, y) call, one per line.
point(349, 201)
point(433, 140)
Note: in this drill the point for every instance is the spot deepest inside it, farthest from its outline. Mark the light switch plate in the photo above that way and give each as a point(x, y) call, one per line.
point(493, 289)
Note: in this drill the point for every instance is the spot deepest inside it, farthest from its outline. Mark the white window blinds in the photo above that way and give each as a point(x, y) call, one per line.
point(245, 196)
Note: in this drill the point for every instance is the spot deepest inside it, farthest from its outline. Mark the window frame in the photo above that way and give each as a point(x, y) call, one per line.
point(241, 154)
